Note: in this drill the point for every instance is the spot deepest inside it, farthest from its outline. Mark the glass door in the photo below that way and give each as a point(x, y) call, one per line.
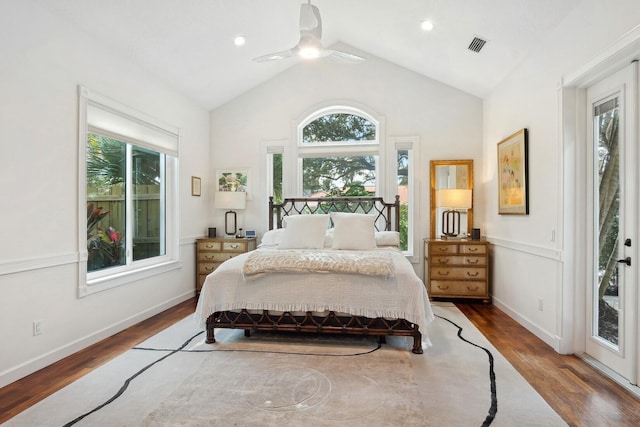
point(612, 300)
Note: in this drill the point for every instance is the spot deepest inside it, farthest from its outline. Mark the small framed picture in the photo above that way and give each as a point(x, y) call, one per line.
point(234, 179)
point(196, 186)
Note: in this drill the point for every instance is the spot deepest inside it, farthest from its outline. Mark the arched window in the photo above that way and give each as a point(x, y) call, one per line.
point(338, 153)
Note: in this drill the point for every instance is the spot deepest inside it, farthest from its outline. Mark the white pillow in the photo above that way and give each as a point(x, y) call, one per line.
point(304, 232)
point(272, 237)
point(353, 231)
point(388, 238)
point(328, 238)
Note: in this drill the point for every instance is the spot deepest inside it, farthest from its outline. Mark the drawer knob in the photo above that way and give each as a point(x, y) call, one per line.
point(443, 260)
point(473, 249)
point(443, 273)
point(473, 275)
point(443, 288)
point(473, 261)
point(443, 249)
point(475, 288)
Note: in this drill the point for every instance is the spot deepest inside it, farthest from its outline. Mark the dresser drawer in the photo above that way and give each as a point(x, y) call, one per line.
point(451, 273)
point(235, 246)
point(214, 256)
point(458, 288)
point(458, 260)
point(443, 249)
point(473, 249)
point(207, 267)
point(209, 246)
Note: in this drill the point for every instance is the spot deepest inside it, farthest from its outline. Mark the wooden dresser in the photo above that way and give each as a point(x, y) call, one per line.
point(212, 252)
point(457, 268)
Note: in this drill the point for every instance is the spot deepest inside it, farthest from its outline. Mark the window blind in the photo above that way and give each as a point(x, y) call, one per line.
point(122, 123)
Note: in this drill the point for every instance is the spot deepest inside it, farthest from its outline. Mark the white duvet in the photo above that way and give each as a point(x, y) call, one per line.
point(402, 296)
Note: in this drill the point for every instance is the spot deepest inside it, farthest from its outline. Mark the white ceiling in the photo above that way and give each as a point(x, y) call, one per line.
point(189, 43)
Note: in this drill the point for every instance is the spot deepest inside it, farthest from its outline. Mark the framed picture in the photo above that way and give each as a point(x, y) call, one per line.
point(513, 180)
point(233, 179)
point(196, 186)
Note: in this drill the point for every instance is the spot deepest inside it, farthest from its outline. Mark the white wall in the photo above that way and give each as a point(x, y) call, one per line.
point(528, 262)
point(43, 62)
point(447, 121)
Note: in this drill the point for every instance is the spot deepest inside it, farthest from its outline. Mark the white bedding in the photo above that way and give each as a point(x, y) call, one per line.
point(400, 297)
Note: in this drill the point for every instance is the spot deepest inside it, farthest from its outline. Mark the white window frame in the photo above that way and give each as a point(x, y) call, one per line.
point(339, 148)
point(412, 145)
point(103, 116)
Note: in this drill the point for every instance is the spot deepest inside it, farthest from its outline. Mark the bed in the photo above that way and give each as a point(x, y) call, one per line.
point(326, 265)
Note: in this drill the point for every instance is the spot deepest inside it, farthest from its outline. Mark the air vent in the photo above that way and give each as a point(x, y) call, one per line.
point(476, 44)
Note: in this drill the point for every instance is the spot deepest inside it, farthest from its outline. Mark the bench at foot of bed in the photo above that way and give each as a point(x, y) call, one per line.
point(329, 324)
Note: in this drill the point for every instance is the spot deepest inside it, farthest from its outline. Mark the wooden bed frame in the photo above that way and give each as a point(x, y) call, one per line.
point(387, 218)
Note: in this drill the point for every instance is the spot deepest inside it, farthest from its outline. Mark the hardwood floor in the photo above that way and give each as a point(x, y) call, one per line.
point(574, 389)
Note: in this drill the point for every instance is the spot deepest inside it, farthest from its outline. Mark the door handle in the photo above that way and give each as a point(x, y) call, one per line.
point(626, 260)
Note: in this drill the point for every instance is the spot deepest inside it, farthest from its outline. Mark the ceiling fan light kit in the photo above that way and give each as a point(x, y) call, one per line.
point(309, 46)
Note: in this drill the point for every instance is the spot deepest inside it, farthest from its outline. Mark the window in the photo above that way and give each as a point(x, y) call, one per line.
point(338, 154)
point(129, 195)
point(112, 168)
point(404, 152)
point(340, 151)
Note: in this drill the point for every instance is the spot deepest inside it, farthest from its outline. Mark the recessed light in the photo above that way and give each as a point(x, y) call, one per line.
point(426, 25)
point(239, 40)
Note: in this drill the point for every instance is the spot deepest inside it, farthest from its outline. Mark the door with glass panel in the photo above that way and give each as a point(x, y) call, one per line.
point(612, 301)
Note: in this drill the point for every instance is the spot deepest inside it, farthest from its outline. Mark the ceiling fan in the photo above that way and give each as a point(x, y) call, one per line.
point(310, 46)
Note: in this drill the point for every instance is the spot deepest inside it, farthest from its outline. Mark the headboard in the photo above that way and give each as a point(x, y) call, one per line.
point(387, 214)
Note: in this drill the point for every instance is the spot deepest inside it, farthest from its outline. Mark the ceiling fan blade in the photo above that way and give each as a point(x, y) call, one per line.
point(276, 56)
point(344, 57)
point(310, 22)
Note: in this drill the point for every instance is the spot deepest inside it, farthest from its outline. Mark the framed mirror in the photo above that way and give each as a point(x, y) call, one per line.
point(451, 175)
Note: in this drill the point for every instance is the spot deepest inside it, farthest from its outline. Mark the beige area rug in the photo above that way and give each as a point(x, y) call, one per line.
point(271, 380)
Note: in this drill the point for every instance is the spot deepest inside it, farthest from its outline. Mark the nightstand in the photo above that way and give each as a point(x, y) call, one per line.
point(211, 252)
point(457, 268)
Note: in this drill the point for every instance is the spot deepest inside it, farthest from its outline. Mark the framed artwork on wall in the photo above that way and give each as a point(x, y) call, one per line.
point(234, 179)
point(513, 180)
point(196, 186)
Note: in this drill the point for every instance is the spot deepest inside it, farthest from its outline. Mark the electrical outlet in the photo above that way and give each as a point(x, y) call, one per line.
point(37, 327)
point(540, 304)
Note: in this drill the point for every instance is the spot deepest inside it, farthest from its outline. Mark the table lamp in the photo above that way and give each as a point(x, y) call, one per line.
point(452, 200)
point(232, 201)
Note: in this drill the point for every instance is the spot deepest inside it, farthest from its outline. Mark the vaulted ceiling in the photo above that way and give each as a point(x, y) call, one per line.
point(189, 43)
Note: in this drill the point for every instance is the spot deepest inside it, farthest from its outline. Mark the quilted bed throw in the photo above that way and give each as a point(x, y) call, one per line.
point(366, 263)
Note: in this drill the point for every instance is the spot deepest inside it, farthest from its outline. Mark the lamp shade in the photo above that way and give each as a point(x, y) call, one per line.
point(454, 198)
point(233, 200)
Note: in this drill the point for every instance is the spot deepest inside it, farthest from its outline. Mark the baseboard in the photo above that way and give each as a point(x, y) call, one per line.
point(552, 340)
point(614, 376)
point(11, 375)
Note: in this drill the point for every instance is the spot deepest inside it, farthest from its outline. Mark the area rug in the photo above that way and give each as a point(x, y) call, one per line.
point(176, 379)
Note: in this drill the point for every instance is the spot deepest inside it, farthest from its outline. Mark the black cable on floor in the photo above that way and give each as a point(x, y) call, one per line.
point(493, 409)
point(171, 352)
point(293, 353)
point(131, 378)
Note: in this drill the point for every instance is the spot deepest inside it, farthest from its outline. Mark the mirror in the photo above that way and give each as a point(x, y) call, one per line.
point(450, 174)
